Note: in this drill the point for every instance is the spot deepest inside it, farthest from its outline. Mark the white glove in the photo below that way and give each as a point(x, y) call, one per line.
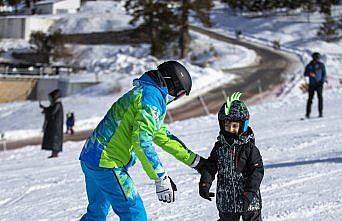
point(165, 189)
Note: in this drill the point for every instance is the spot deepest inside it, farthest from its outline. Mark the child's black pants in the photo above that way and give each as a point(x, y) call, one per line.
point(248, 216)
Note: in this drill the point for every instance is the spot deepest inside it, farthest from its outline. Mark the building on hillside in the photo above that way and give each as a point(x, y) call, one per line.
point(23, 26)
point(56, 6)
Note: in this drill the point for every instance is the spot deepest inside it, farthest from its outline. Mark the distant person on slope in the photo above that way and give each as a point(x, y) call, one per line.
point(53, 124)
point(315, 70)
point(131, 125)
point(70, 122)
point(238, 165)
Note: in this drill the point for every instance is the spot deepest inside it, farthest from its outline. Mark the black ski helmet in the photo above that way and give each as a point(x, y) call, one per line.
point(234, 110)
point(316, 56)
point(177, 78)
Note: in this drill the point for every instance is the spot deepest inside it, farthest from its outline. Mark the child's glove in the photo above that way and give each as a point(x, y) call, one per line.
point(247, 199)
point(204, 191)
point(165, 189)
point(205, 184)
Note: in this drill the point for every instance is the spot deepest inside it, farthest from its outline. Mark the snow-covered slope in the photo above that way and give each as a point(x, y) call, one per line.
point(303, 161)
point(96, 16)
point(115, 67)
point(295, 34)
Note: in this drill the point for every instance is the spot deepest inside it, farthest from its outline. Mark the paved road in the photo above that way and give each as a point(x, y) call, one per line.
point(77, 136)
point(267, 73)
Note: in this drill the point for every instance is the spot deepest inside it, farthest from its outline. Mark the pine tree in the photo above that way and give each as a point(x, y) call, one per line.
point(40, 40)
point(167, 21)
point(329, 29)
point(158, 19)
point(50, 45)
point(310, 6)
point(202, 9)
point(14, 3)
point(325, 6)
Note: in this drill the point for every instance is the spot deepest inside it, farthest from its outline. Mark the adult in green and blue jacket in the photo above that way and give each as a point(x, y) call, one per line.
point(129, 128)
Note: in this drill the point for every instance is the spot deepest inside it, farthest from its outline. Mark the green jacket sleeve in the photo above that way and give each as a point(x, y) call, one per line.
point(174, 146)
point(144, 128)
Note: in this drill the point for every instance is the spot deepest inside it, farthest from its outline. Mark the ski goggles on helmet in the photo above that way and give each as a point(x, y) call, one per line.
point(171, 98)
point(174, 87)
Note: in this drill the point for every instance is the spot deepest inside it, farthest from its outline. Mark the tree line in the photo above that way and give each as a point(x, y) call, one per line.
point(167, 21)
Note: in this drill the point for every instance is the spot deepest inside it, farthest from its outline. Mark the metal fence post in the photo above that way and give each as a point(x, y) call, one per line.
point(259, 87)
point(224, 94)
point(204, 105)
point(169, 116)
point(2, 136)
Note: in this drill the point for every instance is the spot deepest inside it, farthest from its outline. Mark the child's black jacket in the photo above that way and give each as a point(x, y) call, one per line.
point(239, 169)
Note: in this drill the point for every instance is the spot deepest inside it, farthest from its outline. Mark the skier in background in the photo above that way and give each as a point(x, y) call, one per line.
point(238, 163)
point(70, 122)
point(128, 129)
point(316, 72)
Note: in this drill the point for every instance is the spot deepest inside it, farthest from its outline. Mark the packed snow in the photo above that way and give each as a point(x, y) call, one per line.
point(303, 158)
point(296, 34)
point(96, 16)
point(115, 67)
point(303, 161)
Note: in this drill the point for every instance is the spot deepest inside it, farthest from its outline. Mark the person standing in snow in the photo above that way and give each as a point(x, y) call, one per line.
point(316, 72)
point(238, 165)
point(127, 131)
point(53, 124)
point(70, 122)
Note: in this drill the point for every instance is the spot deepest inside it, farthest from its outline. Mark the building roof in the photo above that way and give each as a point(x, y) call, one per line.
point(45, 2)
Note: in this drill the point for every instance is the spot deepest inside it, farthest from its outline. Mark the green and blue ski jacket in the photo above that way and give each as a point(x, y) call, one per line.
point(130, 126)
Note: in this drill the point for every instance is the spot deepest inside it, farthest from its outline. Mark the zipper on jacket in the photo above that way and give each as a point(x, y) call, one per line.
point(231, 169)
point(117, 179)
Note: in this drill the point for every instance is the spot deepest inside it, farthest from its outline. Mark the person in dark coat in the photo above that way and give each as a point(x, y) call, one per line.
point(316, 72)
point(53, 125)
point(238, 165)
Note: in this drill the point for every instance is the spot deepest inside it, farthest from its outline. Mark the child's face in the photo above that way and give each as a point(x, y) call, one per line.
point(232, 127)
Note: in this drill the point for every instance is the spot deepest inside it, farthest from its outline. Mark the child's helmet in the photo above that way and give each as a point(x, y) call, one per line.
point(234, 110)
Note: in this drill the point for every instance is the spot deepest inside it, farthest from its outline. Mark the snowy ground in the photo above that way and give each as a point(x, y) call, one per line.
point(115, 67)
point(96, 16)
point(295, 34)
point(303, 161)
point(302, 158)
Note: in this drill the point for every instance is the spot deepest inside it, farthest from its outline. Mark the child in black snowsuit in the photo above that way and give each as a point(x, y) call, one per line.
point(70, 122)
point(238, 164)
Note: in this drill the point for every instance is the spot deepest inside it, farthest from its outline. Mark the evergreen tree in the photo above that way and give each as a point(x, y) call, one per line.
point(201, 9)
point(325, 6)
point(309, 6)
point(14, 3)
point(329, 29)
point(158, 19)
point(50, 45)
point(40, 40)
point(167, 21)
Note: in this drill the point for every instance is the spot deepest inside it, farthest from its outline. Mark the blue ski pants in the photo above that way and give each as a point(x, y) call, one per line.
point(111, 187)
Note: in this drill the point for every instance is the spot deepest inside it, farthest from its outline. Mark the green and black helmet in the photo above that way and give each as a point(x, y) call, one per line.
point(234, 110)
